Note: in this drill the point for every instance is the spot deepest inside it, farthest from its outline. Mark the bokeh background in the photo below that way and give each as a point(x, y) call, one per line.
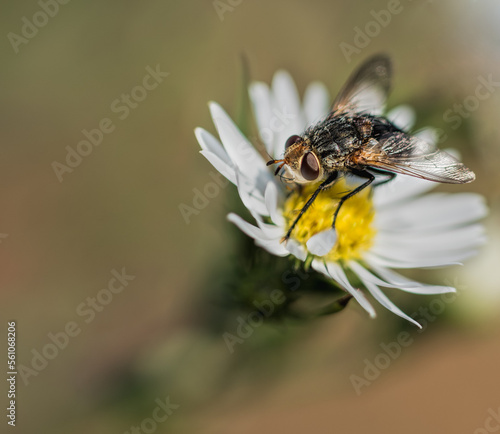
point(120, 209)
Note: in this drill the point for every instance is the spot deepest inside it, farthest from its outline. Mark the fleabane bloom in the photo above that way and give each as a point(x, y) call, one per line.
point(392, 226)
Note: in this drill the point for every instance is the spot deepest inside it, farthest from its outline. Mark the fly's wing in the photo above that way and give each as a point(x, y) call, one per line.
point(401, 153)
point(367, 88)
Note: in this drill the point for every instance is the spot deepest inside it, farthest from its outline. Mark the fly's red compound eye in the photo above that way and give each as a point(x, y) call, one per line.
point(309, 167)
point(291, 140)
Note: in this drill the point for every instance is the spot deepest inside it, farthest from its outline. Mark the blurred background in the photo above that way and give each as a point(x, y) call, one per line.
point(69, 227)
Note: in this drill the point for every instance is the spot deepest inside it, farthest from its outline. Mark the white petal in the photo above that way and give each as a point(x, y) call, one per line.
point(408, 285)
point(273, 246)
point(421, 263)
point(400, 189)
point(364, 274)
point(250, 195)
point(225, 169)
point(296, 249)
point(434, 258)
point(271, 231)
point(433, 212)
point(262, 108)
point(209, 143)
point(388, 304)
point(247, 228)
point(287, 118)
point(241, 151)
point(321, 243)
point(337, 273)
point(428, 134)
point(379, 295)
point(402, 116)
point(271, 196)
point(462, 238)
point(316, 102)
point(287, 99)
point(454, 153)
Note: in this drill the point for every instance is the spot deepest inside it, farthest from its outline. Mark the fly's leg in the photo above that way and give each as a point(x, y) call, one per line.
point(323, 186)
point(362, 174)
point(390, 176)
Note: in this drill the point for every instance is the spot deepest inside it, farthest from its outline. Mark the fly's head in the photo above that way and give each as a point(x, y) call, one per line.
point(300, 160)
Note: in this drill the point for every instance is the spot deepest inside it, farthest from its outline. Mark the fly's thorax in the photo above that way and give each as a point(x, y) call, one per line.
point(334, 136)
point(333, 140)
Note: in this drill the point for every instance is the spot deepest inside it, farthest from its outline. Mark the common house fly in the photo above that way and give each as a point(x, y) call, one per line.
point(354, 139)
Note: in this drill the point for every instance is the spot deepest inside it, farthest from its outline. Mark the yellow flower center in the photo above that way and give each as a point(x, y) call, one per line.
point(355, 232)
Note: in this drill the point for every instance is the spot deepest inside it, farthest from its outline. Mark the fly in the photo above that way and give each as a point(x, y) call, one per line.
point(354, 138)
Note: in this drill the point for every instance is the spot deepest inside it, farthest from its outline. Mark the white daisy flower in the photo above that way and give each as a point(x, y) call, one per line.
point(392, 226)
